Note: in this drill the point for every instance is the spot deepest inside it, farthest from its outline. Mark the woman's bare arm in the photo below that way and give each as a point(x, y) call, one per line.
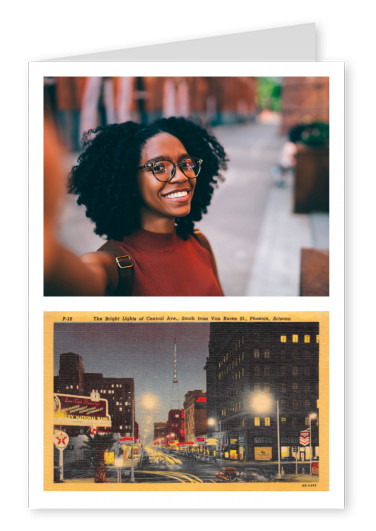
point(67, 274)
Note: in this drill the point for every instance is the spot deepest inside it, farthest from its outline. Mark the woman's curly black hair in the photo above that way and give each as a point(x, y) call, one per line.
point(105, 177)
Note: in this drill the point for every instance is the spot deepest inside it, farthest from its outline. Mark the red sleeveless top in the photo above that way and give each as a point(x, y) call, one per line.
point(166, 265)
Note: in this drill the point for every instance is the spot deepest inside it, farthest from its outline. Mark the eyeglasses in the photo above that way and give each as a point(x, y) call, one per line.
point(165, 170)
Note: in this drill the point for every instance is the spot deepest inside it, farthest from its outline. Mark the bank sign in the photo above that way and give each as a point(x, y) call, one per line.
point(71, 410)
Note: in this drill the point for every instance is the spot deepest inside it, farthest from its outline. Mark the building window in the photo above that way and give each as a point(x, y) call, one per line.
point(307, 387)
point(283, 371)
point(283, 403)
point(295, 403)
point(267, 421)
point(257, 421)
point(283, 339)
point(295, 386)
point(307, 404)
point(295, 371)
point(295, 338)
point(283, 388)
point(307, 339)
point(283, 420)
point(317, 339)
point(256, 370)
point(266, 371)
point(307, 371)
point(267, 387)
point(257, 387)
point(267, 354)
point(256, 353)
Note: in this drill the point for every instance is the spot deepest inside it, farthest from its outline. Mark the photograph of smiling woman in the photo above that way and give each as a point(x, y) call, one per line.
point(144, 187)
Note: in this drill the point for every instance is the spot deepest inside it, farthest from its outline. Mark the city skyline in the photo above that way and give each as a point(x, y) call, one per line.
point(143, 351)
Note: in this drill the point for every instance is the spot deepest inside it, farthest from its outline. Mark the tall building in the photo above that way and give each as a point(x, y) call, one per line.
point(257, 374)
point(195, 417)
point(119, 392)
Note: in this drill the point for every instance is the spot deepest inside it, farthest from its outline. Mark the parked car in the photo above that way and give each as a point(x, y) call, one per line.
point(228, 473)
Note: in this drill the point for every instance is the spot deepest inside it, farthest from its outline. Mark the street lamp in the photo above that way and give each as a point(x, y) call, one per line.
point(149, 402)
point(312, 416)
point(262, 402)
point(212, 422)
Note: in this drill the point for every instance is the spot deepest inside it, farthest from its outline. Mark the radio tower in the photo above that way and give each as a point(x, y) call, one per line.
point(175, 403)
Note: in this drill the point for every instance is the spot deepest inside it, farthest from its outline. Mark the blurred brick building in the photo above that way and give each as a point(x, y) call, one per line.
point(304, 100)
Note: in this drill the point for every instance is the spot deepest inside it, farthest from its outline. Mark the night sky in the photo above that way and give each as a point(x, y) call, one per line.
point(145, 352)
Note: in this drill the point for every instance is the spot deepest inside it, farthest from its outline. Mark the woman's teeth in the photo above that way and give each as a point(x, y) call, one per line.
point(176, 194)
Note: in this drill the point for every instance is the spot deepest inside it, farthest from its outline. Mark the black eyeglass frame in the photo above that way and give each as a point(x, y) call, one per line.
point(150, 165)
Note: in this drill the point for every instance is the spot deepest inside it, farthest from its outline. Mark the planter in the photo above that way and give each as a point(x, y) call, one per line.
point(311, 185)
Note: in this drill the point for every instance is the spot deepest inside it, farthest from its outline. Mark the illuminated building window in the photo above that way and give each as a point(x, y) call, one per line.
point(267, 421)
point(295, 386)
point(267, 387)
point(307, 339)
point(283, 419)
point(317, 339)
point(242, 371)
point(256, 421)
point(120, 409)
point(295, 338)
point(267, 354)
point(112, 385)
point(295, 371)
point(256, 353)
point(283, 339)
point(71, 386)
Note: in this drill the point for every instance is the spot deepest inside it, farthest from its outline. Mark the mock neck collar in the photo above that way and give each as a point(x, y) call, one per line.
point(153, 241)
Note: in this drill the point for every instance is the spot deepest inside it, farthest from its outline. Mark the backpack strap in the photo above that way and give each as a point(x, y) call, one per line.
point(204, 242)
point(125, 267)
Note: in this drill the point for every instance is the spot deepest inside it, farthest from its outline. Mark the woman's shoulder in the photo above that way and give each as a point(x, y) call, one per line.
point(202, 239)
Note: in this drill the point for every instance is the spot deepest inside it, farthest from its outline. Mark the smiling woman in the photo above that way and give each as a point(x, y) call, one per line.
point(144, 187)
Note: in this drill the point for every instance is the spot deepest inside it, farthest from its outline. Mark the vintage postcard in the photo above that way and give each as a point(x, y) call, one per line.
point(194, 401)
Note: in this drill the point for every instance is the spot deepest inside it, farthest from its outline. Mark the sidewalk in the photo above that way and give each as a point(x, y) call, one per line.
point(276, 266)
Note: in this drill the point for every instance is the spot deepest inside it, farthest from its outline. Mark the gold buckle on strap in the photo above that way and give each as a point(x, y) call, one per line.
point(124, 266)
